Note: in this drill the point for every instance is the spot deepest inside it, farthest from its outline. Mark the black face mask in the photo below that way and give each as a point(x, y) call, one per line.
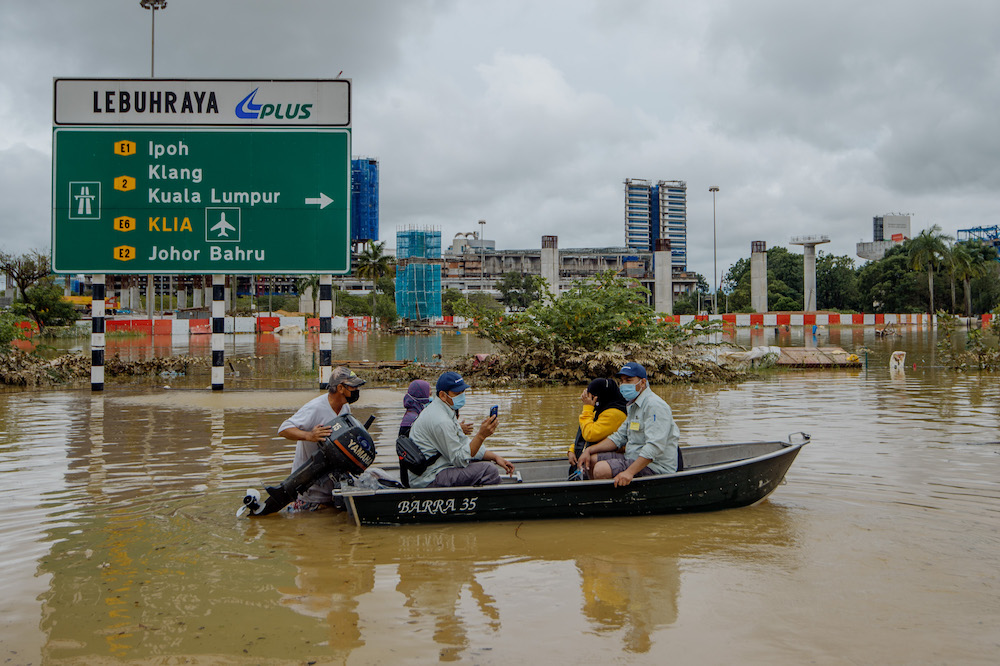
point(353, 397)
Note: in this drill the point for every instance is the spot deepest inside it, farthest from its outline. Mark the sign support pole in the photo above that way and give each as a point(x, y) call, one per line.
point(218, 332)
point(97, 333)
point(325, 330)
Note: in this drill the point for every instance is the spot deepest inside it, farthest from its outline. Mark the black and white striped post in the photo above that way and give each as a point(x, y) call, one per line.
point(218, 331)
point(97, 333)
point(325, 330)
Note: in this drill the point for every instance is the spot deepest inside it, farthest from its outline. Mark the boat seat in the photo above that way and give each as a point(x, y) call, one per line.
point(513, 478)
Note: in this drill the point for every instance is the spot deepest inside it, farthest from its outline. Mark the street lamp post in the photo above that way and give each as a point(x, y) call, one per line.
point(715, 256)
point(482, 250)
point(153, 5)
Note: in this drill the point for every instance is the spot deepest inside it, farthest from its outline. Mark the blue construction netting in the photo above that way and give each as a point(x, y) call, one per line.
point(364, 199)
point(418, 291)
point(418, 244)
point(418, 284)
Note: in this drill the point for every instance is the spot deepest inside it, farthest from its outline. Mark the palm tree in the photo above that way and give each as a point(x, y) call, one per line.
point(927, 251)
point(373, 264)
point(309, 282)
point(979, 259)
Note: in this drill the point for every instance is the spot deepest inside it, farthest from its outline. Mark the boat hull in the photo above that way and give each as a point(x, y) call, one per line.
point(713, 483)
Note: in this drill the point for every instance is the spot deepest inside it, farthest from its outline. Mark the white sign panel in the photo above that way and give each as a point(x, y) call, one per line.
point(241, 102)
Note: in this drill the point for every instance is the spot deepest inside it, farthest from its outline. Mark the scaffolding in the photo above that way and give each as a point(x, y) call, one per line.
point(988, 235)
point(364, 199)
point(418, 273)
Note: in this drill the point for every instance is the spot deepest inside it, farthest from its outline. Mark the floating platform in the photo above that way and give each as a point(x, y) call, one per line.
point(817, 357)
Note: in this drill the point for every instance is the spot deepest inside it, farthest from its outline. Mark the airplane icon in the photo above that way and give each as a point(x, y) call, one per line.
point(223, 227)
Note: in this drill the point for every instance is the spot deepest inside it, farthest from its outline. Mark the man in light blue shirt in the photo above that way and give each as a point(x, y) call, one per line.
point(463, 460)
point(645, 444)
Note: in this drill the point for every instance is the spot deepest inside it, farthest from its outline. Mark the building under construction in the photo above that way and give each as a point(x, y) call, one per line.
point(418, 273)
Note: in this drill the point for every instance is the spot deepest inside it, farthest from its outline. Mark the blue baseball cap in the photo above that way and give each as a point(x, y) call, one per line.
point(633, 369)
point(451, 381)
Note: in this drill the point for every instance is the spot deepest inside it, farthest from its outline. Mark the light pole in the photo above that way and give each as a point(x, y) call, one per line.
point(482, 250)
point(715, 256)
point(153, 5)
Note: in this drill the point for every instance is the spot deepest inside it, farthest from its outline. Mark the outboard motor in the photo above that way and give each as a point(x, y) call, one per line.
point(348, 450)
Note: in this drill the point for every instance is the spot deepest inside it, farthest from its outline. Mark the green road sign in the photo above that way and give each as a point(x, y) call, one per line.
point(183, 201)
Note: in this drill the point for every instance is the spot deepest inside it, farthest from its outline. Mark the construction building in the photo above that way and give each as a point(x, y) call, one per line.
point(657, 212)
point(477, 270)
point(418, 273)
point(888, 231)
point(364, 200)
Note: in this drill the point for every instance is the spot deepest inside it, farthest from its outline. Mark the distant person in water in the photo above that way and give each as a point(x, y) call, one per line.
point(603, 413)
point(645, 444)
point(418, 395)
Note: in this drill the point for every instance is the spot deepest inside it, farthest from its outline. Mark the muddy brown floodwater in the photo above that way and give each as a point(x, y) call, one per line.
point(120, 542)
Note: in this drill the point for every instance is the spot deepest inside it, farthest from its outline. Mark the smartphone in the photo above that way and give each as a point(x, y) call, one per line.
point(494, 409)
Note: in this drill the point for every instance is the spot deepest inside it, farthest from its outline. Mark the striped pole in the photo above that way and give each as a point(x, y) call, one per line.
point(325, 330)
point(97, 333)
point(218, 331)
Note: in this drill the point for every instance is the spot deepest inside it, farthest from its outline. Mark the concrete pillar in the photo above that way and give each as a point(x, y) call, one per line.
point(182, 296)
point(150, 296)
point(550, 263)
point(809, 277)
point(809, 244)
point(228, 296)
point(663, 291)
point(196, 297)
point(306, 300)
point(758, 276)
point(68, 285)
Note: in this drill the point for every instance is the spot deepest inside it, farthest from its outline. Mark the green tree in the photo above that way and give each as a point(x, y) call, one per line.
point(927, 251)
point(982, 278)
point(594, 315)
point(309, 282)
point(836, 282)
point(25, 269)
point(43, 302)
point(888, 284)
point(8, 331)
point(520, 290)
point(374, 264)
point(449, 298)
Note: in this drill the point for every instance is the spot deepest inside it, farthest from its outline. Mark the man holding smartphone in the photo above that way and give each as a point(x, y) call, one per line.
point(458, 459)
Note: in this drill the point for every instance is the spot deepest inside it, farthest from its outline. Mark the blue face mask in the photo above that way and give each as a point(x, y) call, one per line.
point(458, 401)
point(629, 392)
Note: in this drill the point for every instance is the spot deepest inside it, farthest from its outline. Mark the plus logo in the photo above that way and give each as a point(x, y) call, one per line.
point(250, 109)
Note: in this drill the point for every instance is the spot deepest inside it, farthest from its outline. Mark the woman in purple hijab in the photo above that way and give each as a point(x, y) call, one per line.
point(416, 398)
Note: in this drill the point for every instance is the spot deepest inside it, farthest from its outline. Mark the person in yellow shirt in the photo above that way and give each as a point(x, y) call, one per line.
point(603, 413)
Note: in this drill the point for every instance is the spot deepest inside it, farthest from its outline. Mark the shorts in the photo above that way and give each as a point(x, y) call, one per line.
point(619, 463)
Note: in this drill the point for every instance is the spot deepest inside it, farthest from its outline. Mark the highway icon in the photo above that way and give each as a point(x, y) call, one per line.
point(84, 200)
point(222, 225)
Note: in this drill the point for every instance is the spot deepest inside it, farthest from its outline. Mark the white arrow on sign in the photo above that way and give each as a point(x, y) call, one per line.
point(322, 200)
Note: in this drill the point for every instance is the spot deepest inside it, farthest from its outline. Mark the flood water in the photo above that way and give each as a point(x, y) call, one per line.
point(120, 542)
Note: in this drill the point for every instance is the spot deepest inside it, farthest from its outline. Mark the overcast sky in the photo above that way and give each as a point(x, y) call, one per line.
point(810, 117)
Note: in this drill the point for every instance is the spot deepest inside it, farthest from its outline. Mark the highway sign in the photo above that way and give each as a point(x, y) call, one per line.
point(188, 200)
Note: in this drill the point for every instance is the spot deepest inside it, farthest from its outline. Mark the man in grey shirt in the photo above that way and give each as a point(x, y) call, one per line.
point(645, 444)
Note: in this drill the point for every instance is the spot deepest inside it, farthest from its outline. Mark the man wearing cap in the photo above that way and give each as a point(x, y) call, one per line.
point(306, 428)
point(463, 460)
point(645, 444)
